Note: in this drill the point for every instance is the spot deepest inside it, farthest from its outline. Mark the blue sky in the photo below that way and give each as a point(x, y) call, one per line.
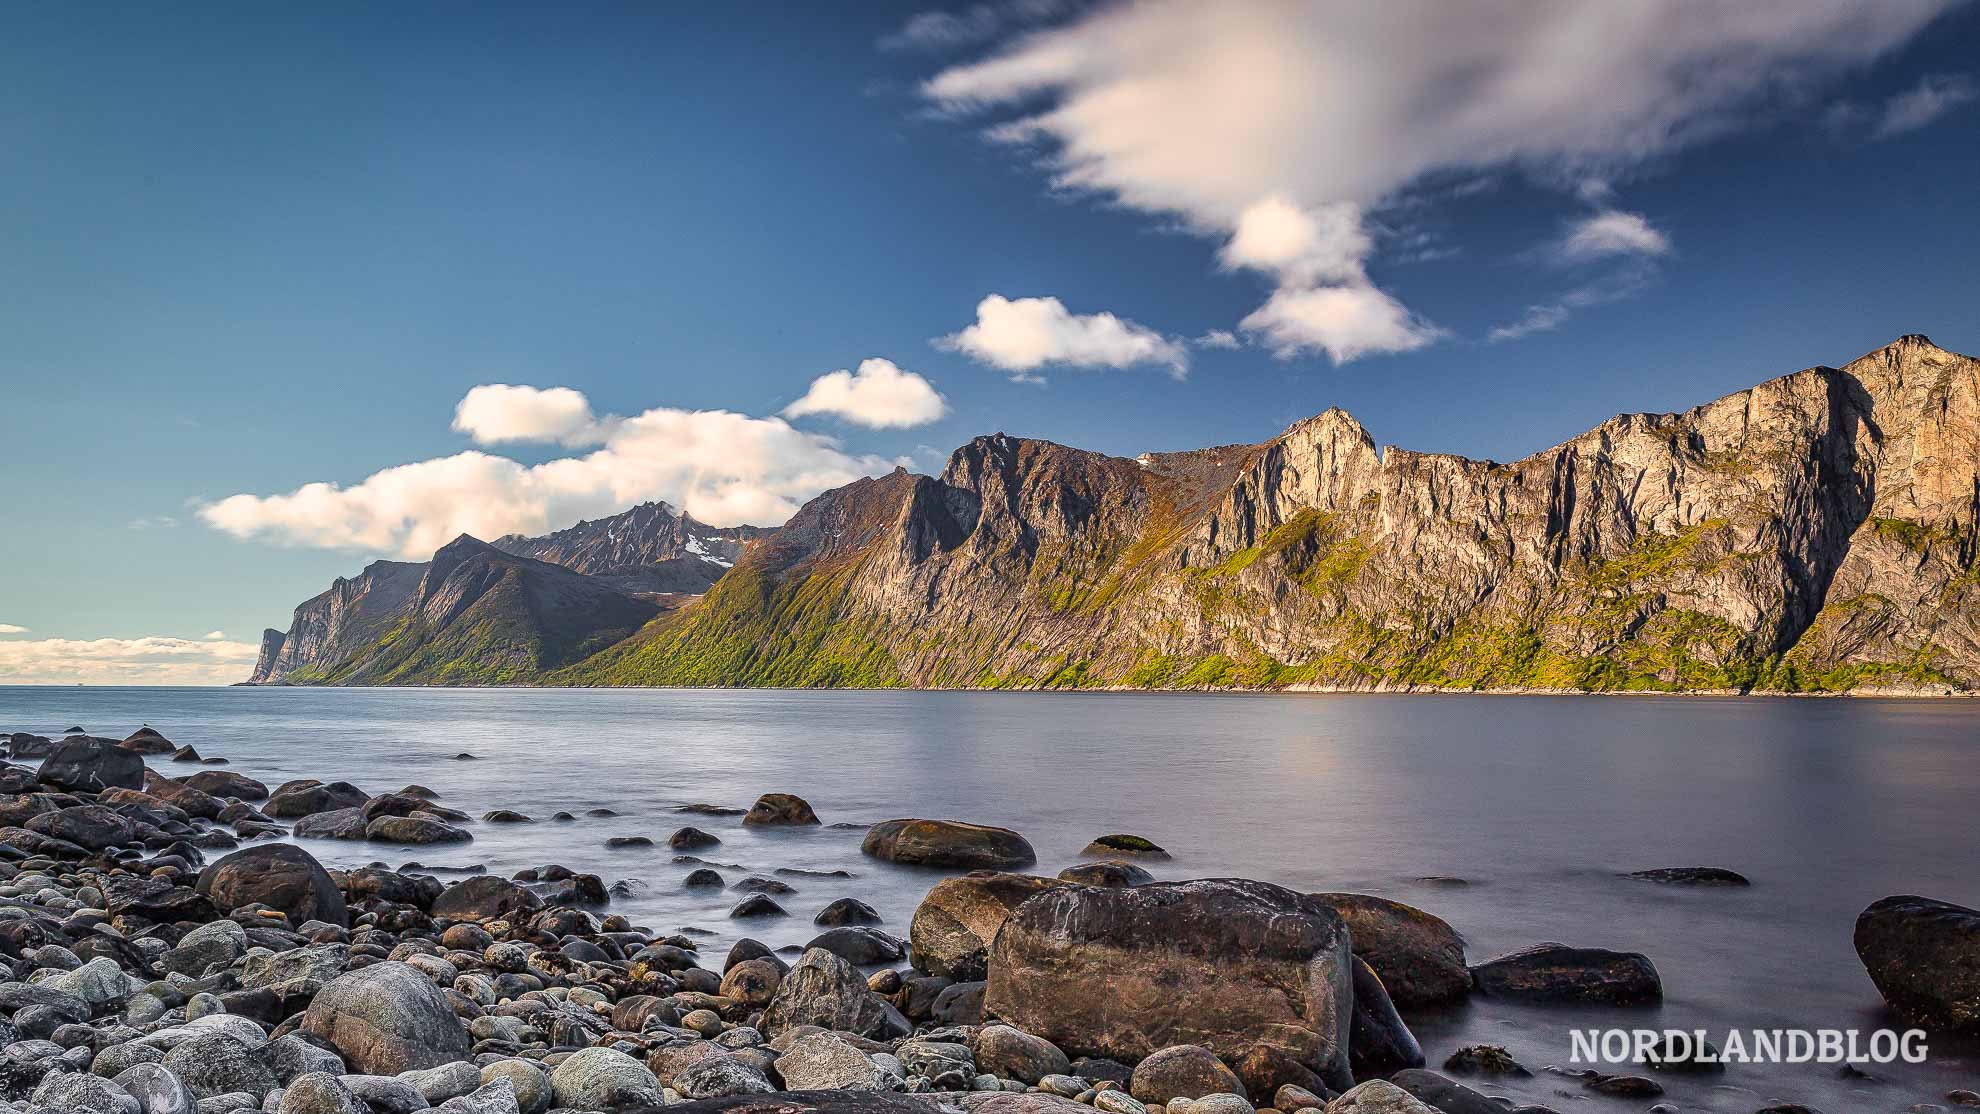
point(247, 248)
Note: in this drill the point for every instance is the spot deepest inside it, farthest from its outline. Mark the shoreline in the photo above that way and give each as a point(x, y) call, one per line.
point(1301, 689)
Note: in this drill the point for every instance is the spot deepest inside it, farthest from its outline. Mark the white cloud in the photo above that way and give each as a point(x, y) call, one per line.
point(497, 412)
point(1218, 338)
point(124, 661)
point(1541, 318)
point(216, 636)
point(1611, 232)
point(1933, 97)
point(1346, 322)
point(9, 628)
point(938, 30)
point(152, 522)
point(1621, 282)
point(1023, 335)
point(1207, 111)
point(723, 468)
point(879, 395)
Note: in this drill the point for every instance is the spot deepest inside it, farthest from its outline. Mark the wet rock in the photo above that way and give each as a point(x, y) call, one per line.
point(947, 843)
point(954, 924)
point(146, 740)
point(417, 831)
point(279, 875)
point(385, 1019)
point(601, 1079)
point(847, 911)
point(87, 764)
point(1556, 973)
point(89, 826)
point(860, 946)
point(703, 878)
point(752, 982)
point(312, 799)
point(505, 816)
point(1104, 972)
point(1446, 1095)
point(24, 745)
point(779, 809)
point(1691, 876)
point(225, 783)
point(1114, 873)
point(1484, 1059)
point(342, 823)
point(629, 841)
point(1924, 957)
point(485, 898)
point(691, 838)
point(1419, 957)
point(822, 989)
point(758, 905)
point(1184, 1071)
point(1380, 1044)
point(1115, 846)
point(154, 899)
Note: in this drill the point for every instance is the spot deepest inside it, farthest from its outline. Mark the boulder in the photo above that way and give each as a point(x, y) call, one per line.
point(847, 911)
point(858, 945)
point(311, 799)
point(226, 783)
point(1691, 876)
point(779, 808)
point(1379, 1096)
point(87, 764)
point(154, 899)
point(82, 1093)
point(1556, 973)
point(1222, 963)
point(690, 839)
point(156, 1089)
point(1380, 1044)
point(485, 898)
point(1010, 1053)
point(89, 826)
point(603, 1078)
point(1446, 1095)
point(1116, 873)
point(219, 1063)
point(416, 831)
point(147, 741)
point(1419, 957)
point(320, 1093)
point(720, 1077)
point(753, 982)
point(954, 924)
point(1924, 957)
point(23, 745)
point(278, 875)
point(1182, 1071)
point(947, 843)
point(338, 823)
point(828, 1061)
point(385, 1019)
point(822, 989)
point(1116, 846)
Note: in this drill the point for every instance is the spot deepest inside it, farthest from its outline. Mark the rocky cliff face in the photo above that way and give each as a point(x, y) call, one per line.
point(1816, 532)
point(360, 621)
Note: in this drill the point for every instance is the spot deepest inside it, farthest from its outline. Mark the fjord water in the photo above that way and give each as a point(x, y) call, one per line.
point(1511, 817)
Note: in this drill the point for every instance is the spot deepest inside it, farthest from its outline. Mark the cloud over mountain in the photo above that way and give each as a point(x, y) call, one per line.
point(880, 395)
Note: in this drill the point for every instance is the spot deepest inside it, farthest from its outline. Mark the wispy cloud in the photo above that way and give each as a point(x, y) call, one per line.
point(9, 628)
point(124, 661)
point(152, 522)
point(974, 25)
point(1608, 233)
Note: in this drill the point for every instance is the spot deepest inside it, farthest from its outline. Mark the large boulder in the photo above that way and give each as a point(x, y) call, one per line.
point(954, 924)
point(602, 1079)
point(822, 989)
point(278, 875)
point(484, 898)
point(226, 783)
point(1378, 1096)
point(1009, 1053)
point(1556, 974)
point(1182, 1071)
point(146, 740)
point(87, 764)
point(307, 800)
point(779, 809)
point(1380, 1044)
point(385, 1019)
point(948, 843)
point(1924, 956)
point(1419, 956)
point(1222, 963)
point(90, 826)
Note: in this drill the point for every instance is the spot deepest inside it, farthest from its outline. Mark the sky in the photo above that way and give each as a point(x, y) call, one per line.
point(285, 289)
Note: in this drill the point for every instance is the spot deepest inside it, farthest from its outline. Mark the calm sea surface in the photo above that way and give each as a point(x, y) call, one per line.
point(1537, 803)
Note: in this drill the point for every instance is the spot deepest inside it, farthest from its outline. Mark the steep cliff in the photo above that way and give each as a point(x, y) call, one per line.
point(1813, 533)
point(646, 552)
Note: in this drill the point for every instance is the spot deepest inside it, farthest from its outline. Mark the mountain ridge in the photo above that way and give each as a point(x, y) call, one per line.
point(1813, 533)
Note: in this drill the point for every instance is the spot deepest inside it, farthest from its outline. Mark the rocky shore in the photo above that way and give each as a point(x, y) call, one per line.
point(165, 955)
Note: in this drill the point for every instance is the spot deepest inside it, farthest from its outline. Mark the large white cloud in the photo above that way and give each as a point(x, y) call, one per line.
point(124, 661)
point(879, 395)
point(1023, 335)
point(497, 412)
point(1208, 111)
point(721, 467)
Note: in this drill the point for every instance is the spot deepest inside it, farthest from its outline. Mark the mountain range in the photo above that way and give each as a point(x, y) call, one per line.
point(1815, 533)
